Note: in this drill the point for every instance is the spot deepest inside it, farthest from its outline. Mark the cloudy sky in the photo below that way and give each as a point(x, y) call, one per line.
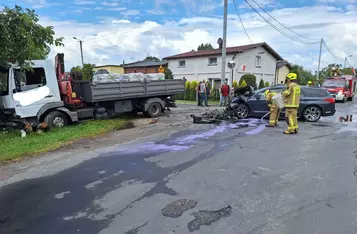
point(117, 30)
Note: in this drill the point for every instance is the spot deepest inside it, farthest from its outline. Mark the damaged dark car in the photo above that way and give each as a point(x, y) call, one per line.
point(314, 103)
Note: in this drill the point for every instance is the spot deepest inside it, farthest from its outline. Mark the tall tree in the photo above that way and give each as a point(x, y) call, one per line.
point(206, 46)
point(86, 71)
point(22, 38)
point(328, 70)
point(152, 58)
point(303, 75)
point(168, 74)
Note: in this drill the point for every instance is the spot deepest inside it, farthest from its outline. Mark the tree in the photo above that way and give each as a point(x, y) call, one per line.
point(327, 71)
point(261, 84)
point(206, 46)
point(347, 71)
point(266, 84)
point(22, 38)
point(243, 84)
point(168, 74)
point(86, 71)
point(303, 76)
point(152, 58)
point(250, 79)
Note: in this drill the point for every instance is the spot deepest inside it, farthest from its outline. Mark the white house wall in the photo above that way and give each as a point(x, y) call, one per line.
point(198, 69)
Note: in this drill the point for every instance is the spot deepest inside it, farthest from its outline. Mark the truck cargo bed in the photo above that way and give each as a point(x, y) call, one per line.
point(129, 89)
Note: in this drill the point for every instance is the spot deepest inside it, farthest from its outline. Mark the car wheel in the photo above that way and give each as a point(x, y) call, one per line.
point(56, 119)
point(154, 110)
point(312, 113)
point(242, 111)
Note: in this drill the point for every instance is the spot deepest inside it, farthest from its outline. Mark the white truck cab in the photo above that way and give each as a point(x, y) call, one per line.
point(27, 95)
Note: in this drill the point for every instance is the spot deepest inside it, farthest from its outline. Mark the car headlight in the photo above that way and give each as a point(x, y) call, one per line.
point(340, 92)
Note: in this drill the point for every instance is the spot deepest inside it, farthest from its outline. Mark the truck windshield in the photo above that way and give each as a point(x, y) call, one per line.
point(4, 79)
point(334, 83)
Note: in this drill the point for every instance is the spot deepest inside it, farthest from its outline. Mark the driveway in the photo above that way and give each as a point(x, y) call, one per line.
point(176, 177)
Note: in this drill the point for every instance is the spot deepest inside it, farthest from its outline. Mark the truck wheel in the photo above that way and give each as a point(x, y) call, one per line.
point(56, 119)
point(344, 99)
point(154, 110)
point(351, 98)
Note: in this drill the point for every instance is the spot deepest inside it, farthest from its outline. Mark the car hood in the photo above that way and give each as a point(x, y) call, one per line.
point(334, 89)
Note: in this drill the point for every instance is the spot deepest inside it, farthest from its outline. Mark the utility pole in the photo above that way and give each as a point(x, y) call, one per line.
point(223, 71)
point(318, 66)
point(80, 45)
point(344, 66)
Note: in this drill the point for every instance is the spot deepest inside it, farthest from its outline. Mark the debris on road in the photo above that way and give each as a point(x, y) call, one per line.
point(204, 217)
point(215, 116)
point(175, 209)
point(348, 118)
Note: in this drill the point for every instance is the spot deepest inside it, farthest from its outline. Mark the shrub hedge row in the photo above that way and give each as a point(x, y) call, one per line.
point(191, 94)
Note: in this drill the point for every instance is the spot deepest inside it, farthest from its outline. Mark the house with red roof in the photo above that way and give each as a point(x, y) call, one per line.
point(258, 59)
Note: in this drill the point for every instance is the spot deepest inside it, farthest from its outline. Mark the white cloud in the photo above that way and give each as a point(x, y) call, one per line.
point(122, 21)
point(84, 2)
point(116, 40)
point(114, 3)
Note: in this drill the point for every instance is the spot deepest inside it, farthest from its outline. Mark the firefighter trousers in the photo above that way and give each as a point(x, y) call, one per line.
point(274, 115)
point(291, 119)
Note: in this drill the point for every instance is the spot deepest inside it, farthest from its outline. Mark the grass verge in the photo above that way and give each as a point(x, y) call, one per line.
point(13, 147)
point(195, 102)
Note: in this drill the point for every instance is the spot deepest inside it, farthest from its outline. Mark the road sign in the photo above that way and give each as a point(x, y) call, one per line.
point(161, 69)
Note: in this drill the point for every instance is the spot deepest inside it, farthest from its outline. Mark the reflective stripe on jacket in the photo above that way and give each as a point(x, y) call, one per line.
point(292, 95)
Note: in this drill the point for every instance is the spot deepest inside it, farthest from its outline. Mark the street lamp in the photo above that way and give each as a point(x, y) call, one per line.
point(344, 66)
point(80, 45)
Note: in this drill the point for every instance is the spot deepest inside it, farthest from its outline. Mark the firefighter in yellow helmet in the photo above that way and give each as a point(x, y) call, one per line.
point(309, 83)
point(292, 102)
point(274, 110)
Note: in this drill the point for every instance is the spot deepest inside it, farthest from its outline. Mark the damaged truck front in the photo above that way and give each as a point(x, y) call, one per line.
point(7, 110)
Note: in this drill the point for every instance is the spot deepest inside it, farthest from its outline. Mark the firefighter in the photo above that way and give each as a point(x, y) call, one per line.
point(309, 83)
point(292, 101)
point(273, 108)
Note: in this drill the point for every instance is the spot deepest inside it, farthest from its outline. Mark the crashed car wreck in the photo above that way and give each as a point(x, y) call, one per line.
point(229, 113)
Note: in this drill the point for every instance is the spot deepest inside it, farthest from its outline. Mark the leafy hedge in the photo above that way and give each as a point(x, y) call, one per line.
point(250, 79)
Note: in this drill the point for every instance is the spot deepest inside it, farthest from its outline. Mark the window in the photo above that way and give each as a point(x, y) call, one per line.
point(258, 61)
point(212, 61)
point(310, 92)
point(182, 63)
point(26, 80)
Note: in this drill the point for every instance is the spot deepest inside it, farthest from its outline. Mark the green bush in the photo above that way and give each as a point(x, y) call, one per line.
point(187, 93)
point(243, 84)
point(250, 79)
point(261, 84)
point(193, 92)
point(266, 84)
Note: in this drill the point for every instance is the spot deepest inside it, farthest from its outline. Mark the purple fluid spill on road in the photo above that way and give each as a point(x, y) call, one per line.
point(179, 143)
point(202, 135)
point(256, 130)
point(151, 146)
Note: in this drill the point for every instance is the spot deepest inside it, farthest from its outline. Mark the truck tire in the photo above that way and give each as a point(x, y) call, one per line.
point(351, 98)
point(56, 119)
point(154, 110)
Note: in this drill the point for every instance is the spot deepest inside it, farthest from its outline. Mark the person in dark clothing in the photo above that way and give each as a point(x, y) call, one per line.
point(199, 101)
point(208, 91)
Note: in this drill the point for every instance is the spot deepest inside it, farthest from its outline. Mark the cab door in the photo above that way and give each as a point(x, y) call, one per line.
point(34, 88)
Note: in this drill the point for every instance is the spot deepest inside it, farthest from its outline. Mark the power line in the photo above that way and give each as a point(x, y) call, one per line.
point(241, 21)
point(329, 50)
point(316, 41)
point(276, 28)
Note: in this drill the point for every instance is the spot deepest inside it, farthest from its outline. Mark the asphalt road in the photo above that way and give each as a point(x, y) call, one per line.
point(197, 178)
